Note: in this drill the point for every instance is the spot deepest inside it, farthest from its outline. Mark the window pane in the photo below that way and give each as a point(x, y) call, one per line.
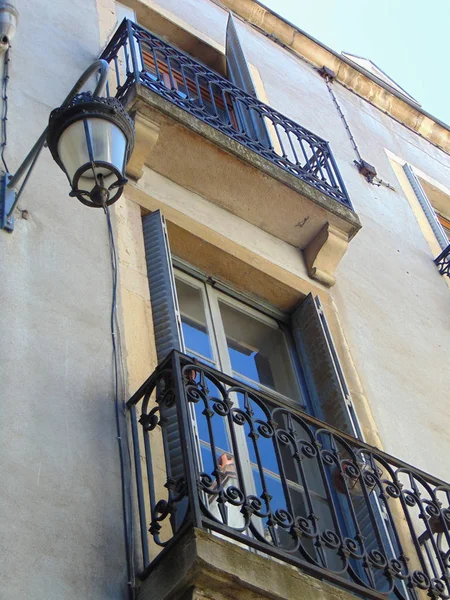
point(258, 351)
point(195, 330)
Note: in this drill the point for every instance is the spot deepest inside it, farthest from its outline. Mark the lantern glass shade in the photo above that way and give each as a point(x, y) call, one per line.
point(94, 147)
point(91, 139)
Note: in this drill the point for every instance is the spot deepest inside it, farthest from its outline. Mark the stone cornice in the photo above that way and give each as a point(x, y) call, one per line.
point(365, 85)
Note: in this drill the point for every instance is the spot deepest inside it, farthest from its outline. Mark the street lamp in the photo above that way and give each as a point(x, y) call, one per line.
point(91, 138)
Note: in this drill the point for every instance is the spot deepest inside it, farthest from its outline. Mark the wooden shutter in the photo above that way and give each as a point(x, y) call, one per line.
point(167, 325)
point(427, 208)
point(331, 399)
point(161, 280)
point(238, 73)
point(237, 67)
point(324, 377)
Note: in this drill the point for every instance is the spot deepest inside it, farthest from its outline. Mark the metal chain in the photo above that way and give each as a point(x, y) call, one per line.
point(4, 136)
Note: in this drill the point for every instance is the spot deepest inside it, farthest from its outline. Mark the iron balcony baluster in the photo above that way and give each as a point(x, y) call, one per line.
point(314, 496)
point(443, 262)
point(200, 91)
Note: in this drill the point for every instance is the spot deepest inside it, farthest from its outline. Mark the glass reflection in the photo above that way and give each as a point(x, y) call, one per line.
point(257, 350)
point(193, 319)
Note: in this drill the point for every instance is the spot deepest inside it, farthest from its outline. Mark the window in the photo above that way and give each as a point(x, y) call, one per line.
point(435, 205)
point(253, 348)
point(193, 316)
point(234, 338)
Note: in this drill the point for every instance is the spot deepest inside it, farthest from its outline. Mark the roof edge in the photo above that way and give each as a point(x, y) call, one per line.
point(348, 73)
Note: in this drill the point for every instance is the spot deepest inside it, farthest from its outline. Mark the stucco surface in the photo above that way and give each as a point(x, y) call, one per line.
point(61, 529)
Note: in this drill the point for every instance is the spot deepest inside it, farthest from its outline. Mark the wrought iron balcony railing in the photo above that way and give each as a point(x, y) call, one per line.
point(258, 471)
point(140, 57)
point(443, 261)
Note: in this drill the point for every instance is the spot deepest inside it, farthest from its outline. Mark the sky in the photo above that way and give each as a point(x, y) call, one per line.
point(408, 39)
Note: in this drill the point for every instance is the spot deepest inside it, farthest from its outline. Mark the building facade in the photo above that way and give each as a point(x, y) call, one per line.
point(259, 408)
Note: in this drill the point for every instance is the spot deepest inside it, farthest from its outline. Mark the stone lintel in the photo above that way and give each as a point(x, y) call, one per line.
point(324, 252)
point(203, 566)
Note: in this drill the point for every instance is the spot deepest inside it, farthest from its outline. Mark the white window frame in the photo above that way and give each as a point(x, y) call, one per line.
point(211, 298)
point(427, 207)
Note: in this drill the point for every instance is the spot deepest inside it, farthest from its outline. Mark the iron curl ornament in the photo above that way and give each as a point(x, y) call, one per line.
point(263, 473)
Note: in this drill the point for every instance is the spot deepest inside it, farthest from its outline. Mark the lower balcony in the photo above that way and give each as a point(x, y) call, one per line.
point(202, 132)
point(244, 490)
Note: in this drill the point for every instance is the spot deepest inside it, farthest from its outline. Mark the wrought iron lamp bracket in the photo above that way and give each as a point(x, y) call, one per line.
point(7, 203)
point(9, 197)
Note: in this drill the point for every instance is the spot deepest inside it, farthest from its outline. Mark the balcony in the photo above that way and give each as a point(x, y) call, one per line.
point(200, 131)
point(443, 261)
point(277, 487)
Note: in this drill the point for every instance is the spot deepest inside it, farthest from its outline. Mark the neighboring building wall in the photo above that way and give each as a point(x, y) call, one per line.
point(61, 528)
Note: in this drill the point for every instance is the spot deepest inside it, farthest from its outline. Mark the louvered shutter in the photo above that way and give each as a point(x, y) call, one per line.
point(324, 378)
point(161, 280)
point(239, 74)
point(427, 208)
point(331, 400)
point(167, 326)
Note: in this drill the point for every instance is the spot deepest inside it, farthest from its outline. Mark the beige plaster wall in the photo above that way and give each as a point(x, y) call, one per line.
point(61, 528)
point(389, 298)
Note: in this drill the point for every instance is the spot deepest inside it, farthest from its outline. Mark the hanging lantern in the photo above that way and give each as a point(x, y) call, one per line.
point(92, 139)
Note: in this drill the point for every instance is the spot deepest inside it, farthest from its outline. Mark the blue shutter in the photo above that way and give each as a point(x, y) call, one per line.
point(163, 297)
point(331, 399)
point(324, 377)
point(238, 73)
point(427, 208)
point(167, 326)
point(237, 68)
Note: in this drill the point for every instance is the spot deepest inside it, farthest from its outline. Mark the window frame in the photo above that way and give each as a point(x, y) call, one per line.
point(211, 296)
point(433, 217)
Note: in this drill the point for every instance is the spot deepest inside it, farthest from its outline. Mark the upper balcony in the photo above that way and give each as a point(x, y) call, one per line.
point(202, 132)
point(241, 476)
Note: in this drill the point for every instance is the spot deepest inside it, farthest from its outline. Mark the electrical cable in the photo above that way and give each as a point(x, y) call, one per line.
point(344, 120)
point(4, 137)
point(373, 180)
point(121, 414)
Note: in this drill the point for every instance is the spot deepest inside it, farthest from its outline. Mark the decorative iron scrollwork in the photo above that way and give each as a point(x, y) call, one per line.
point(279, 480)
point(193, 87)
point(443, 262)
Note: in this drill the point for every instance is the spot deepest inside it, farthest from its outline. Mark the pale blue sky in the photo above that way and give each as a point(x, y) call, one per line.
point(408, 39)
